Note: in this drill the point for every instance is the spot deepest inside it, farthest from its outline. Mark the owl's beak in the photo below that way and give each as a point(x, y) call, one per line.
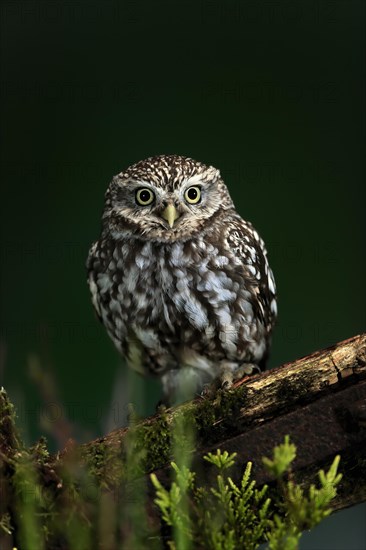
point(170, 214)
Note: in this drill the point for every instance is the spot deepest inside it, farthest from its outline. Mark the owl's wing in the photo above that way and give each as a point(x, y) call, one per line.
point(251, 255)
point(91, 279)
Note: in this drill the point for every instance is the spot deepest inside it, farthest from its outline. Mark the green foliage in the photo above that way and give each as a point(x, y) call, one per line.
point(30, 502)
point(221, 460)
point(283, 455)
point(228, 515)
point(303, 512)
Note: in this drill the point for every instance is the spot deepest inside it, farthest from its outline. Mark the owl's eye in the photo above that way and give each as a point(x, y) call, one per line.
point(193, 195)
point(144, 196)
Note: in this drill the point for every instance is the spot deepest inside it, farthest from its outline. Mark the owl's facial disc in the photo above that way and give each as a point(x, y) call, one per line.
point(164, 198)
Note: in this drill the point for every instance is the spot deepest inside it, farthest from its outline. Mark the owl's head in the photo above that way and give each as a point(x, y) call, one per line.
point(167, 197)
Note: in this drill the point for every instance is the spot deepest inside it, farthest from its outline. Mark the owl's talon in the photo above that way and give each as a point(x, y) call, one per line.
point(206, 389)
point(161, 406)
point(226, 385)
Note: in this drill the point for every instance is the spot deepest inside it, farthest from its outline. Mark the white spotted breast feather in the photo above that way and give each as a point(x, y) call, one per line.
point(251, 258)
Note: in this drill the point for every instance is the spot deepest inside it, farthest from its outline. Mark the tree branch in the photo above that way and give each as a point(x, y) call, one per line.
point(319, 400)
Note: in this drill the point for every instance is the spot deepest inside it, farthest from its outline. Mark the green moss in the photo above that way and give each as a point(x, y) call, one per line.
point(150, 443)
point(211, 417)
point(104, 463)
point(9, 436)
point(294, 391)
point(39, 451)
point(96, 459)
point(203, 418)
point(229, 404)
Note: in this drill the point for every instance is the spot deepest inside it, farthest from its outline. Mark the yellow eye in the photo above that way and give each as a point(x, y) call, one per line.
point(144, 196)
point(193, 195)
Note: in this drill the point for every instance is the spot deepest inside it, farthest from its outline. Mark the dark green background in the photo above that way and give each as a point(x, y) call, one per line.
point(272, 93)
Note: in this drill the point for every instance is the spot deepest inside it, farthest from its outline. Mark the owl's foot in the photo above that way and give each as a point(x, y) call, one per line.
point(209, 390)
point(161, 406)
point(229, 375)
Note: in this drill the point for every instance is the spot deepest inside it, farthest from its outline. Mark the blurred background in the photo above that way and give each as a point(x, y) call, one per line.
point(270, 92)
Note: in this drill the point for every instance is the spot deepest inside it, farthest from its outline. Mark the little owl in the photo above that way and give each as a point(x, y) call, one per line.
point(180, 281)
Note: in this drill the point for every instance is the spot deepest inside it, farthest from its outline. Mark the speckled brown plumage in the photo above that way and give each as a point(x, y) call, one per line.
point(189, 298)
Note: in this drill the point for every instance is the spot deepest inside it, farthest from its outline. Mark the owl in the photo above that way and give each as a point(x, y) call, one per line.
point(180, 281)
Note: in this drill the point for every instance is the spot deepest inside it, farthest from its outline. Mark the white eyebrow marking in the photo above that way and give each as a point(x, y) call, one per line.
point(197, 178)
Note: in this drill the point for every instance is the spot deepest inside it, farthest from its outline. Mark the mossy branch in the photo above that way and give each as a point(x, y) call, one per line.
point(319, 401)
